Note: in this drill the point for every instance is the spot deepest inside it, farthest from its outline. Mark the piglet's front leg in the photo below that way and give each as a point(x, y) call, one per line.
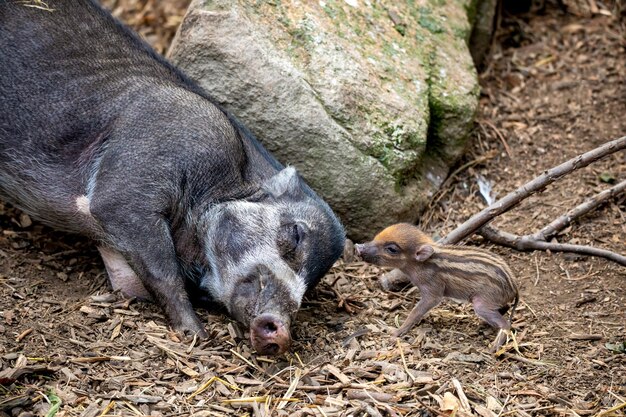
point(426, 303)
point(394, 280)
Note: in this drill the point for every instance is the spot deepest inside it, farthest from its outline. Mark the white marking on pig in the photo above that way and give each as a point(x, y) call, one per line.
point(94, 168)
point(82, 204)
point(261, 217)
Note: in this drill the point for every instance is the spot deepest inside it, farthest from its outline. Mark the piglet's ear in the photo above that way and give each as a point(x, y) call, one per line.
point(285, 183)
point(423, 252)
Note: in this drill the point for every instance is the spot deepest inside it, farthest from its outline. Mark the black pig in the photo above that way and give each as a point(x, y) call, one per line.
point(101, 136)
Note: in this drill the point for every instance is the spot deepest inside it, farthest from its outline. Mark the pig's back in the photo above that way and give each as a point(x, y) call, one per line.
point(77, 90)
point(66, 74)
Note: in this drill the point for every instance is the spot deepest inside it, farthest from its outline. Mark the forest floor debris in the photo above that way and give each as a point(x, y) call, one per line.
point(554, 88)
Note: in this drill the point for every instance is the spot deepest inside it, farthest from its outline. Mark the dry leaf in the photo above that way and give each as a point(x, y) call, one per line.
point(449, 402)
point(493, 404)
point(484, 411)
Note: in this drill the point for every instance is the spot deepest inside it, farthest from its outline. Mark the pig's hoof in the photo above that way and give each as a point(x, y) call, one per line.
point(191, 330)
point(269, 335)
point(190, 334)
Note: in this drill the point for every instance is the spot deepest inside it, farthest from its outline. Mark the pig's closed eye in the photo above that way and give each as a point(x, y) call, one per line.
point(290, 238)
point(249, 279)
point(297, 234)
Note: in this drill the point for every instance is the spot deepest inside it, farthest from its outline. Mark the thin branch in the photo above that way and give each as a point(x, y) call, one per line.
point(562, 222)
point(500, 136)
point(512, 199)
point(528, 243)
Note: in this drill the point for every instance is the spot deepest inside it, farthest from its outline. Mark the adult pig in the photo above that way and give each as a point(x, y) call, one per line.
point(101, 136)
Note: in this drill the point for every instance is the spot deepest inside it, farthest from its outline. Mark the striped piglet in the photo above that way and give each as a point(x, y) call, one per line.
point(457, 272)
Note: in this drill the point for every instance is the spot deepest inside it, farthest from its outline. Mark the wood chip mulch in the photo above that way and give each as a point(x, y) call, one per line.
point(554, 88)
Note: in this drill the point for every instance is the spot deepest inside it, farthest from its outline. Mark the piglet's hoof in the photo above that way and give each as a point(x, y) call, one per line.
point(501, 339)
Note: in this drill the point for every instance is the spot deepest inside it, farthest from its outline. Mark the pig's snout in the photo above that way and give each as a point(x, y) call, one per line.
point(269, 335)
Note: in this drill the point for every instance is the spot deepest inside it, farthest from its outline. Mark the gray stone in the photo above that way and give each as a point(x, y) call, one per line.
point(372, 103)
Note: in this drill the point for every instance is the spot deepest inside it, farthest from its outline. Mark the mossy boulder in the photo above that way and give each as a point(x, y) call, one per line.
point(371, 101)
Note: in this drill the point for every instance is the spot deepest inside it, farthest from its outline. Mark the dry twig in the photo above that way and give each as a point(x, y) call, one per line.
point(537, 241)
point(512, 199)
point(527, 243)
point(563, 221)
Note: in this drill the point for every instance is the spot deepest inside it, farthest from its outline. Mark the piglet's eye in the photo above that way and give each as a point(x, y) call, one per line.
point(392, 249)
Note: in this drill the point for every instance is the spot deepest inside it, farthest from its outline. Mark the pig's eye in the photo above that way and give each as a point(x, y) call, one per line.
point(248, 279)
point(392, 249)
point(296, 234)
point(290, 237)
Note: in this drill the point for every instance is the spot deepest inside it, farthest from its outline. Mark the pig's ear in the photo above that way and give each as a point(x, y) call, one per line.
point(285, 183)
point(423, 252)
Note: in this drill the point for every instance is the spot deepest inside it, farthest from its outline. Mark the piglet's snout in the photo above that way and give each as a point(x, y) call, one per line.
point(269, 335)
point(366, 251)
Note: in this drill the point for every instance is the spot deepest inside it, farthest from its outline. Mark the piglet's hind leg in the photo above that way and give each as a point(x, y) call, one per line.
point(495, 319)
point(490, 314)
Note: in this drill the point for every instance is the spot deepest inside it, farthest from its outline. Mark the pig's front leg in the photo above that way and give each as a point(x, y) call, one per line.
point(143, 240)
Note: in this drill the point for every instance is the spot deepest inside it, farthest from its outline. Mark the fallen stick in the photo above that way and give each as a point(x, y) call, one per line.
point(363, 395)
point(461, 395)
point(578, 336)
point(612, 409)
point(527, 243)
point(395, 279)
point(563, 221)
point(333, 387)
point(95, 359)
point(512, 199)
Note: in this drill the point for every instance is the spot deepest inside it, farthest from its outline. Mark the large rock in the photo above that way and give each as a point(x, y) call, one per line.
point(372, 103)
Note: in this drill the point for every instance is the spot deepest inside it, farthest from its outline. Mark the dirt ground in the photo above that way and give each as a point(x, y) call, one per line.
point(555, 87)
